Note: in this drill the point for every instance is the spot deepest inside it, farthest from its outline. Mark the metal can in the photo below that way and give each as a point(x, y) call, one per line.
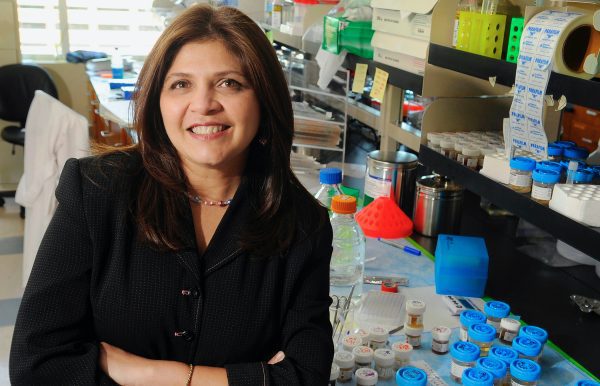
point(438, 206)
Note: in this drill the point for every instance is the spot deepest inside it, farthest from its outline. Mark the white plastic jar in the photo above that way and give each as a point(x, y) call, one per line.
point(384, 363)
point(363, 356)
point(413, 335)
point(414, 313)
point(543, 184)
point(402, 353)
point(440, 340)
point(351, 341)
point(345, 360)
point(378, 337)
point(366, 377)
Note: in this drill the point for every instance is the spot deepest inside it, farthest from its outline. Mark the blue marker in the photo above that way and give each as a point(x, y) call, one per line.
point(412, 251)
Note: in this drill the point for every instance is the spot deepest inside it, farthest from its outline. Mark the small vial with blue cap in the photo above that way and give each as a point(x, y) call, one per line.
point(555, 152)
point(482, 334)
point(536, 333)
point(477, 377)
point(586, 382)
point(524, 372)
point(464, 355)
point(576, 153)
point(494, 366)
point(495, 311)
point(468, 317)
point(520, 174)
point(527, 348)
point(505, 354)
point(543, 185)
point(330, 179)
point(411, 376)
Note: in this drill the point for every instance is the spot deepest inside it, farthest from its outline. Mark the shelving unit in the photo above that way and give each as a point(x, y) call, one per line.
point(578, 91)
point(583, 237)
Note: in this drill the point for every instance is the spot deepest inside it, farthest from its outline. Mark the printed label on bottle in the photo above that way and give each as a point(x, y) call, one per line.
point(457, 370)
point(508, 336)
point(414, 341)
point(518, 179)
point(345, 374)
point(460, 158)
point(375, 187)
point(464, 334)
point(540, 193)
point(439, 346)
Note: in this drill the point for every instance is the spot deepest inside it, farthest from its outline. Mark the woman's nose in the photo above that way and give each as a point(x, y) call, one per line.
point(204, 101)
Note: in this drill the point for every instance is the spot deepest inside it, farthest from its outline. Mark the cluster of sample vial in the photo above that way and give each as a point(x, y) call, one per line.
point(565, 164)
point(368, 357)
point(466, 147)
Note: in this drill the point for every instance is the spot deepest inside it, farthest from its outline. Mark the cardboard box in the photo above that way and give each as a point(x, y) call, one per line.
point(400, 52)
point(415, 25)
point(406, 6)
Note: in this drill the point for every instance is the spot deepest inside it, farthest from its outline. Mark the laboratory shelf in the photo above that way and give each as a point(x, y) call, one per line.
point(572, 232)
point(324, 121)
point(402, 79)
point(299, 144)
point(578, 91)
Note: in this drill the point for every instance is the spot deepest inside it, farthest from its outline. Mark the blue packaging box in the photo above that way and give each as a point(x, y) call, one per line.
point(461, 266)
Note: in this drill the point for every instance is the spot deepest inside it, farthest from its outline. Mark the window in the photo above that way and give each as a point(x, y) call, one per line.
point(50, 28)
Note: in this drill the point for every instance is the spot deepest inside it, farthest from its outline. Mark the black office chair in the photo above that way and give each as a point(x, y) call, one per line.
point(18, 83)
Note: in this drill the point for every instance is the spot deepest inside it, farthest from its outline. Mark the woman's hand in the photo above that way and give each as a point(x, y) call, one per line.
point(277, 358)
point(123, 367)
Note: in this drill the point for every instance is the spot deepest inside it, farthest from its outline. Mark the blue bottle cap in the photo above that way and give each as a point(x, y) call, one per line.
point(546, 176)
point(534, 332)
point(527, 346)
point(468, 317)
point(586, 382)
point(564, 144)
point(554, 150)
point(496, 309)
point(464, 351)
point(505, 354)
point(477, 377)
point(525, 370)
point(330, 176)
point(522, 163)
point(583, 176)
point(549, 165)
point(482, 332)
point(576, 153)
point(494, 365)
point(595, 169)
point(411, 376)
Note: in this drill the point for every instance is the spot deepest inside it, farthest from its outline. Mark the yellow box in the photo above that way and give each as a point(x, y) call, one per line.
point(481, 34)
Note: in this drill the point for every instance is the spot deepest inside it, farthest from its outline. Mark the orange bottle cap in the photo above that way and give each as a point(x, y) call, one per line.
point(343, 204)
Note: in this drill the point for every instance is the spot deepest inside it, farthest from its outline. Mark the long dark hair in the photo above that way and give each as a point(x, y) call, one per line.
point(275, 194)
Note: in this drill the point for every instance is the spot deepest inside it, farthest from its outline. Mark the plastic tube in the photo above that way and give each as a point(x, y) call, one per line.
point(572, 169)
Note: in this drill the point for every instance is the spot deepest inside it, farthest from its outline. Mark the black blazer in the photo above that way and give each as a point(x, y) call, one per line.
point(94, 281)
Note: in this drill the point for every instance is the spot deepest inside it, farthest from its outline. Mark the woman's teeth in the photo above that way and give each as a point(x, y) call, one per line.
point(207, 129)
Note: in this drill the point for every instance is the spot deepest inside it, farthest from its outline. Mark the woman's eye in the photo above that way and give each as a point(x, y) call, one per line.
point(179, 84)
point(231, 83)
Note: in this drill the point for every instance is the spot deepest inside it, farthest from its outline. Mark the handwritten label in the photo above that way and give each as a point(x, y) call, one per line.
point(360, 76)
point(379, 84)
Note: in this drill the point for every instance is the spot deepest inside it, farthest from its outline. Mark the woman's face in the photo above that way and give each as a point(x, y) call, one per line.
point(209, 109)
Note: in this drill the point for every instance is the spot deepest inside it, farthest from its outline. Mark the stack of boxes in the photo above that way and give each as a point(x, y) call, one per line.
point(402, 32)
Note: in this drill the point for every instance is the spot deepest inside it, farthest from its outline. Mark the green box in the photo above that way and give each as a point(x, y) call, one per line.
point(342, 34)
point(481, 34)
point(514, 39)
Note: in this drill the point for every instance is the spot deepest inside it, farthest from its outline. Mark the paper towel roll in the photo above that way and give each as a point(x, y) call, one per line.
point(577, 41)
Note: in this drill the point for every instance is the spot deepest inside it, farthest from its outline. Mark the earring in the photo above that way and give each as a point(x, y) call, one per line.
point(262, 141)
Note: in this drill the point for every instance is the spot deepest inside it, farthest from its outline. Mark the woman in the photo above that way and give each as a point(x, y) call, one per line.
point(195, 257)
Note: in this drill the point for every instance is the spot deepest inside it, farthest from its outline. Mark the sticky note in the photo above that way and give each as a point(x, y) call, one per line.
point(360, 77)
point(379, 83)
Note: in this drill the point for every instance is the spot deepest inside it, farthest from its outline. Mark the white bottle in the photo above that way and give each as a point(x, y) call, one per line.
point(116, 64)
point(276, 14)
point(330, 179)
point(349, 246)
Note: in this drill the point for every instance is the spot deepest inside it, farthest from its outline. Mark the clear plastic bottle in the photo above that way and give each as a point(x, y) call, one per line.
point(494, 312)
point(467, 318)
point(464, 355)
point(475, 376)
point(527, 348)
point(330, 179)
point(520, 174)
point(494, 366)
point(348, 256)
point(411, 376)
point(536, 333)
point(482, 334)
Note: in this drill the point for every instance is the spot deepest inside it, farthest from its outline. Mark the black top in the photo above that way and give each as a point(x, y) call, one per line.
point(93, 281)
